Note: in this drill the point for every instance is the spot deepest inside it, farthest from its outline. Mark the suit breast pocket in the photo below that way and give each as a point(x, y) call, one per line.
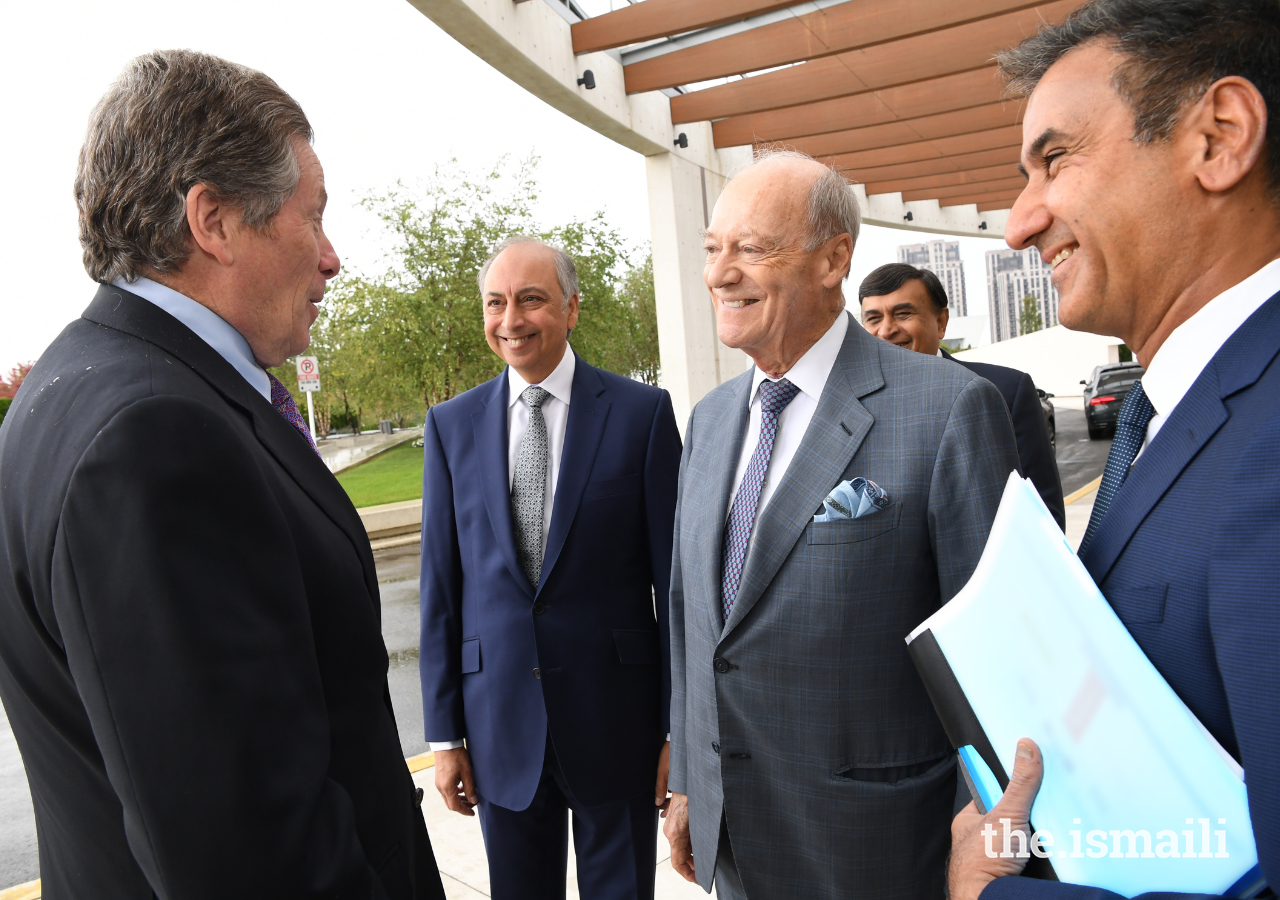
point(611, 487)
point(851, 531)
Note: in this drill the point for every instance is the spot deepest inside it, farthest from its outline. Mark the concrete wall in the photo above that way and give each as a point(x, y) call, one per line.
point(1056, 359)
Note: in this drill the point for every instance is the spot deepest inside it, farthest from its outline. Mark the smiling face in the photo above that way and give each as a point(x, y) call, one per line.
point(773, 299)
point(1108, 213)
point(526, 320)
point(907, 318)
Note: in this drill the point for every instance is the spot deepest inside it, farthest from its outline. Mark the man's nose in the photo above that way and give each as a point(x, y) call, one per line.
point(329, 262)
point(720, 271)
point(1029, 218)
point(512, 315)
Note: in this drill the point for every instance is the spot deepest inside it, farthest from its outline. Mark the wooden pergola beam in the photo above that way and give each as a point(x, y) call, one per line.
point(1005, 197)
point(660, 18)
point(920, 151)
point(917, 58)
point(926, 128)
point(909, 101)
point(826, 32)
point(977, 188)
point(943, 181)
point(1003, 158)
point(988, 205)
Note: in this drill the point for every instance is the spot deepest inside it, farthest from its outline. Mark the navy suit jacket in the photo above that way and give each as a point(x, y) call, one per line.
point(1036, 459)
point(1188, 557)
point(585, 655)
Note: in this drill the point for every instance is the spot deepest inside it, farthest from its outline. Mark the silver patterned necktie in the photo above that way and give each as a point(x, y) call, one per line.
point(529, 486)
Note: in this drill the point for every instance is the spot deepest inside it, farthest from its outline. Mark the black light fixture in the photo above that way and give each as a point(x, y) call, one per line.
point(588, 80)
point(982, 226)
point(908, 217)
point(682, 140)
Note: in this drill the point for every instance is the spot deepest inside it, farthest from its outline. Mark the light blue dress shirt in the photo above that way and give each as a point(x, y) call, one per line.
point(208, 326)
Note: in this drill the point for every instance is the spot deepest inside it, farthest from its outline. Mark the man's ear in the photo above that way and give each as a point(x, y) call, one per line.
point(211, 222)
point(839, 253)
point(1228, 128)
point(573, 312)
point(943, 318)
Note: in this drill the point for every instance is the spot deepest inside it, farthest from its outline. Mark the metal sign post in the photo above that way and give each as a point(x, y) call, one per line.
point(309, 383)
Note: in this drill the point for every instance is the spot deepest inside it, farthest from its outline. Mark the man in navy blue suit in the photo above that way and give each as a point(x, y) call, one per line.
point(548, 505)
point(1152, 153)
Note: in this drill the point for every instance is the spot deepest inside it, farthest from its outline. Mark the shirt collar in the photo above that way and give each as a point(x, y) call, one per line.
point(1190, 347)
point(208, 326)
point(811, 371)
point(558, 384)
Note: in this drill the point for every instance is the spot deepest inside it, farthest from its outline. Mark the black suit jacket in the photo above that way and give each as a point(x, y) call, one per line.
point(190, 646)
point(1036, 458)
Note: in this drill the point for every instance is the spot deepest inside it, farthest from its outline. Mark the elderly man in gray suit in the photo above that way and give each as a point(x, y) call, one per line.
point(806, 759)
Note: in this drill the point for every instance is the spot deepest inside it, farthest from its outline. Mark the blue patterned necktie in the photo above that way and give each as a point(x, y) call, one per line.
point(1131, 431)
point(774, 397)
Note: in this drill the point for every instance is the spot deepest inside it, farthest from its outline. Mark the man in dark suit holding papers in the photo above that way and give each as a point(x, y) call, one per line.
point(1154, 191)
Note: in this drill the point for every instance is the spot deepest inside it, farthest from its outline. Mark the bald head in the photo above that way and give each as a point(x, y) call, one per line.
point(778, 247)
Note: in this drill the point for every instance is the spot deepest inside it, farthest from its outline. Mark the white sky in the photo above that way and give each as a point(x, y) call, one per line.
point(389, 94)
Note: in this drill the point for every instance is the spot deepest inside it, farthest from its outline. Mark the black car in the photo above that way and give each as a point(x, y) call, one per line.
point(1050, 420)
point(1104, 395)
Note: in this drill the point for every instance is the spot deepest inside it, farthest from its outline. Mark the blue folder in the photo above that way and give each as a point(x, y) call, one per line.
point(1030, 648)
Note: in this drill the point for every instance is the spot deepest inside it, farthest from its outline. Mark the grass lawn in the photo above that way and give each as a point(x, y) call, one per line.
point(389, 477)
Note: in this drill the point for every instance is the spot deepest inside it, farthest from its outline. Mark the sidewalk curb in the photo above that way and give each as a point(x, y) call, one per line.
point(1066, 501)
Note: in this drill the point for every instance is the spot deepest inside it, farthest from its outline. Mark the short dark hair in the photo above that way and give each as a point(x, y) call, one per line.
point(176, 118)
point(888, 278)
point(1171, 50)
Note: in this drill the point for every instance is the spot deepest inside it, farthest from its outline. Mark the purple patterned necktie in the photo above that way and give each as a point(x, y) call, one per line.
point(282, 400)
point(774, 397)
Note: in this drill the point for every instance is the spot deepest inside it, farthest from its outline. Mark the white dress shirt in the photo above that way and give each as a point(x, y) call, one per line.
point(555, 412)
point(810, 375)
point(208, 326)
point(1191, 346)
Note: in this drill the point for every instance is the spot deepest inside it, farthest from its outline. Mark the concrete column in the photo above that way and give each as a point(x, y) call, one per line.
point(681, 197)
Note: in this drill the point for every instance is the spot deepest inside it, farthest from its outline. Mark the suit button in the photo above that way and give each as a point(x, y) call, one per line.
point(539, 608)
point(720, 665)
point(537, 673)
point(716, 747)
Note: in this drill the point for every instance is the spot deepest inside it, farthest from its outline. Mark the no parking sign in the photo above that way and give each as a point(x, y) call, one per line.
point(308, 374)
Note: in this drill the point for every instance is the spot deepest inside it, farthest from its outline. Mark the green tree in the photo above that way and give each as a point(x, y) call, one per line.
point(1029, 319)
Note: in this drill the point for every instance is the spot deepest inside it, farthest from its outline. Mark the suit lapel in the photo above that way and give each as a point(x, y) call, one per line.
point(839, 425)
point(588, 411)
point(489, 426)
point(123, 311)
point(1196, 419)
point(729, 428)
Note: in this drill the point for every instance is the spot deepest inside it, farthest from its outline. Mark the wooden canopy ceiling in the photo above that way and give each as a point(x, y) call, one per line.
point(901, 95)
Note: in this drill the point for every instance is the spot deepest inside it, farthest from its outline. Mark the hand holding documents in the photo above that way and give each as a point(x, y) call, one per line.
point(853, 500)
point(1137, 796)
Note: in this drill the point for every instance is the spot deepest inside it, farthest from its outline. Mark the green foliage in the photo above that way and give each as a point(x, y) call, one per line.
point(389, 477)
point(1126, 355)
point(392, 345)
point(1029, 319)
point(4, 407)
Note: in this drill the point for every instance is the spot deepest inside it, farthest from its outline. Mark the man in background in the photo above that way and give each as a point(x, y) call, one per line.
point(548, 500)
point(806, 758)
point(907, 306)
point(190, 650)
point(1152, 151)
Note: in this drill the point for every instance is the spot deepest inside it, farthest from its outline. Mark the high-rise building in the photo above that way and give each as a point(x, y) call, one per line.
point(1013, 275)
point(942, 258)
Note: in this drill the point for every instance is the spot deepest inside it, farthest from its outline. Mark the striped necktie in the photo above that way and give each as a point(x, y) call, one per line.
point(774, 397)
point(1131, 431)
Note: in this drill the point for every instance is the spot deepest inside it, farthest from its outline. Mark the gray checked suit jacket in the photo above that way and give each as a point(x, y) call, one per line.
point(802, 718)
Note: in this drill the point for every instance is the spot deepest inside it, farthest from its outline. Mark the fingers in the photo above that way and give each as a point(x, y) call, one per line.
point(683, 864)
point(469, 784)
point(1024, 783)
point(455, 782)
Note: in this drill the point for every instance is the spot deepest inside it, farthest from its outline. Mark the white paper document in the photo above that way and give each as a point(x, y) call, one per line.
point(1137, 795)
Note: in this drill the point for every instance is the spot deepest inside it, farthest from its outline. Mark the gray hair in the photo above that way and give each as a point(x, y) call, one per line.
point(175, 119)
point(566, 271)
point(1170, 52)
point(832, 205)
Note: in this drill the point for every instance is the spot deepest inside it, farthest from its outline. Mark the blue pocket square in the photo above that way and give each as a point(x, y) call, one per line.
point(853, 500)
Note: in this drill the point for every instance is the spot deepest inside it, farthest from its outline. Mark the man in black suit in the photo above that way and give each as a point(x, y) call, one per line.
point(908, 307)
point(190, 649)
